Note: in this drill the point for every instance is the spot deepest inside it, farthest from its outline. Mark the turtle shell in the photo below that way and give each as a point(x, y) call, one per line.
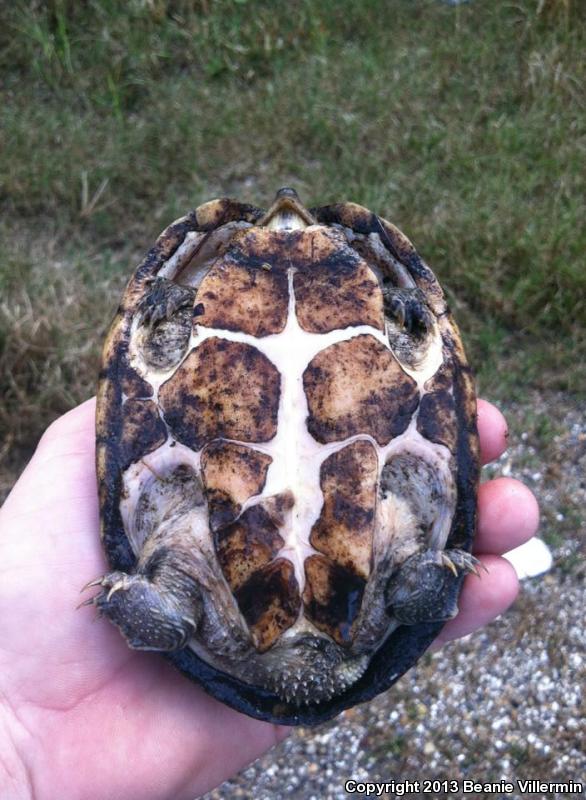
point(287, 455)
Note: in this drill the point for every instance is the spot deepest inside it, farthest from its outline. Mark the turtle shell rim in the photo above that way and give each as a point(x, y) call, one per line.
point(406, 644)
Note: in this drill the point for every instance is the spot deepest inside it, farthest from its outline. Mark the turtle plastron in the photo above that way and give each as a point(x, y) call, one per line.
point(287, 456)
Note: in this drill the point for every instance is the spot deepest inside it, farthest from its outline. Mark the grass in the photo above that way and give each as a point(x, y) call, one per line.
point(464, 125)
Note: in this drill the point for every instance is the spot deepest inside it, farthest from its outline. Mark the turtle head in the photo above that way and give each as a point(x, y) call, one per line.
point(287, 212)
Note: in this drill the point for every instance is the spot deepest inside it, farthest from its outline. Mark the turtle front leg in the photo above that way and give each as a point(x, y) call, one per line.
point(163, 299)
point(410, 325)
point(164, 323)
point(408, 310)
point(425, 588)
point(156, 612)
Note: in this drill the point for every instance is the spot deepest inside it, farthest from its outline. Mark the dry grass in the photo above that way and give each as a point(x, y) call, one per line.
point(52, 324)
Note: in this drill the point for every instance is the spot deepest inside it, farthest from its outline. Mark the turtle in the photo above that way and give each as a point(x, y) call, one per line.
point(287, 456)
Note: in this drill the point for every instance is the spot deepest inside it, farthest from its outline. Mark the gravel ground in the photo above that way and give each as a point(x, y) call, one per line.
point(504, 704)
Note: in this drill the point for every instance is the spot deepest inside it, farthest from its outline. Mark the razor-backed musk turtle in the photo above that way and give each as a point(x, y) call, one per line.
point(287, 456)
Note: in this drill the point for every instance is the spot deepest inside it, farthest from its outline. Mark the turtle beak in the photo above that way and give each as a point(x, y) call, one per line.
point(287, 213)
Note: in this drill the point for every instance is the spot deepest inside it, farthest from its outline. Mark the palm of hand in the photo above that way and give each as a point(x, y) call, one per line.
point(84, 702)
point(83, 715)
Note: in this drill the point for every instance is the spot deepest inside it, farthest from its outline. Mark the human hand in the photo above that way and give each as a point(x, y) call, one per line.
point(84, 717)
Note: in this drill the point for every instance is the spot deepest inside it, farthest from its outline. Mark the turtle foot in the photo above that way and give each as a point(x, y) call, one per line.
point(425, 588)
point(164, 323)
point(408, 309)
point(149, 617)
point(163, 300)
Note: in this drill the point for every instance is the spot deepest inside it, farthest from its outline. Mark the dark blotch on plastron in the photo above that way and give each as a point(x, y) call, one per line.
point(244, 298)
point(339, 294)
point(344, 530)
point(232, 473)
point(222, 389)
point(142, 430)
point(269, 602)
point(222, 509)
point(263, 249)
point(247, 545)
point(358, 387)
point(444, 377)
point(133, 385)
point(303, 250)
point(332, 597)
point(436, 420)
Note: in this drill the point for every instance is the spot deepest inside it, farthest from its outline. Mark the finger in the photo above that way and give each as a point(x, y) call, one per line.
point(62, 466)
point(483, 598)
point(76, 425)
point(508, 515)
point(492, 430)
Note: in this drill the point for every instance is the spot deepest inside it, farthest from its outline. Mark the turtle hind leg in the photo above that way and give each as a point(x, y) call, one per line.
point(426, 586)
point(159, 605)
point(158, 612)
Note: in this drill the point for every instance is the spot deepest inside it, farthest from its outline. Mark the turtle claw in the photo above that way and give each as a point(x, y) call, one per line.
point(149, 616)
point(408, 309)
point(163, 300)
point(91, 601)
point(462, 560)
point(91, 584)
point(425, 588)
point(447, 562)
point(112, 590)
point(110, 583)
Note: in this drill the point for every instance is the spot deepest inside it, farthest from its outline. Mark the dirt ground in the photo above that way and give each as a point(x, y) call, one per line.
point(504, 704)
